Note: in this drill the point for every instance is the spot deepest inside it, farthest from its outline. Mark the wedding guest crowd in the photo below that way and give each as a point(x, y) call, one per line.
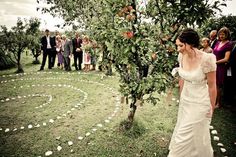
point(82, 49)
point(219, 43)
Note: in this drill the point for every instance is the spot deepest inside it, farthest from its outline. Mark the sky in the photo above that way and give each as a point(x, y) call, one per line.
point(10, 10)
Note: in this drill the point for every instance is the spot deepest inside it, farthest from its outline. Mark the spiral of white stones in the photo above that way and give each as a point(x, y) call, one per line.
point(30, 126)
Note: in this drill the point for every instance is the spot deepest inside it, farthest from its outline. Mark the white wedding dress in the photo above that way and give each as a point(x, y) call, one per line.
point(191, 136)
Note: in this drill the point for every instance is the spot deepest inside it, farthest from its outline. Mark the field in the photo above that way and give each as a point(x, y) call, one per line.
point(79, 115)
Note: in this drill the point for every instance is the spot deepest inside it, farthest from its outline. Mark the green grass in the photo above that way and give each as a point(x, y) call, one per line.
point(149, 136)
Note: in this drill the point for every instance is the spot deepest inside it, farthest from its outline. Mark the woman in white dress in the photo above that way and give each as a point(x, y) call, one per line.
point(197, 71)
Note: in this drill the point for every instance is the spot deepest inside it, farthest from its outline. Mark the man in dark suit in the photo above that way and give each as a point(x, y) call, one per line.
point(230, 82)
point(67, 52)
point(77, 51)
point(213, 38)
point(54, 52)
point(47, 46)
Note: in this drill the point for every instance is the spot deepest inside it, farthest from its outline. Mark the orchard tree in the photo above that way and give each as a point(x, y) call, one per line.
point(140, 40)
point(18, 39)
point(34, 35)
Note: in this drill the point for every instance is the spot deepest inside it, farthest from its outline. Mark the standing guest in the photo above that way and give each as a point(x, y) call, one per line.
point(86, 47)
point(67, 52)
point(230, 80)
point(213, 38)
point(197, 71)
point(47, 45)
point(206, 45)
point(222, 52)
point(77, 51)
point(54, 52)
point(59, 51)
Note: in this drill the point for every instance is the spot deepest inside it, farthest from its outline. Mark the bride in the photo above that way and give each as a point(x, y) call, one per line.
point(197, 71)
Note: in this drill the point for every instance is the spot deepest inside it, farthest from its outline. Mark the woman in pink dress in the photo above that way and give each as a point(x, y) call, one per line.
point(222, 52)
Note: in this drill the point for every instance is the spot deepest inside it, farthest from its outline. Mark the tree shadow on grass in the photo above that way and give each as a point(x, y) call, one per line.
point(134, 130)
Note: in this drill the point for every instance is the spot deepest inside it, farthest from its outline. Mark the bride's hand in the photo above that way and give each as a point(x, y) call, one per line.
point(210, 113)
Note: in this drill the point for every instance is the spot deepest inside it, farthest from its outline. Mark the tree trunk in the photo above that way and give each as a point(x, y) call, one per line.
point(132, 111)
point(19, 66)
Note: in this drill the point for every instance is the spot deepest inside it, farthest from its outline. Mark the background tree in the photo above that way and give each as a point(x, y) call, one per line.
point(217, 23)
point(19, 38)
point(141, 43)
point(34, 36)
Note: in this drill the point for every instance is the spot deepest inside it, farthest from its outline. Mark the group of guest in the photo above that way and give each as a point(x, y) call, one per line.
point(224, 49)
point(82, 50)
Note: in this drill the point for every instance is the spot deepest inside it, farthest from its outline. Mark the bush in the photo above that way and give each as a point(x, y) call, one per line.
point(5, 61)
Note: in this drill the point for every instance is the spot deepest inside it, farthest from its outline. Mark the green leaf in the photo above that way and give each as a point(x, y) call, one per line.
point(133, 49)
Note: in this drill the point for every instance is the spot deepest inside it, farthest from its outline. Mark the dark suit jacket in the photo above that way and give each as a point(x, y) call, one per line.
point(44, 43)
point(232, 61)
point(213, 43)
point(76, 44)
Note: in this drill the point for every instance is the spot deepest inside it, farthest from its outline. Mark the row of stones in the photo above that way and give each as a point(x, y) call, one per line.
point(93, 130)
point(52, 120)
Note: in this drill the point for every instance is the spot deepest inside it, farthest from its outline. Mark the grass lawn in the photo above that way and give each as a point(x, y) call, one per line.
point(79, 114)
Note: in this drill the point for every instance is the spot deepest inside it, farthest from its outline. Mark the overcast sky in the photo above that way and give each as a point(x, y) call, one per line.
point(10, 10)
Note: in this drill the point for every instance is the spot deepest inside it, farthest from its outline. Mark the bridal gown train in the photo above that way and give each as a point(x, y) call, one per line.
point(191, 136)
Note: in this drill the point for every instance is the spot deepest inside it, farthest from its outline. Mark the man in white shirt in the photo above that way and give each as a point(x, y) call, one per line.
point(47, 46)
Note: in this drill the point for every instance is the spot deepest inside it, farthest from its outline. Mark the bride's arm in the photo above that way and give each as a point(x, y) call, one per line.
point(211, 81)
point(181, 84)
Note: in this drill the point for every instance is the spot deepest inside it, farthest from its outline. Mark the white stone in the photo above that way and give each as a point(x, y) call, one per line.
point(214, 132)
point(30, 126)
point(87, 134)
point(37, 126)
point(80, 137)
point(51, 121)
point(7, 99)
point(44, 124)
point(15, 129)
point(48, 153)
point(0, 129)
point(70, 143)
point(211, 127)
point(173, 99)
point(223, 150)
point(107, 121)
point(94, 129)
point(22, 128)
point(58, 138)
point(68, 112)
point(216, 138)
point(220, 144)
point(59, 148)
point(58, 117)
point(7, 130)
point(99, 125)
point(71, 150)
